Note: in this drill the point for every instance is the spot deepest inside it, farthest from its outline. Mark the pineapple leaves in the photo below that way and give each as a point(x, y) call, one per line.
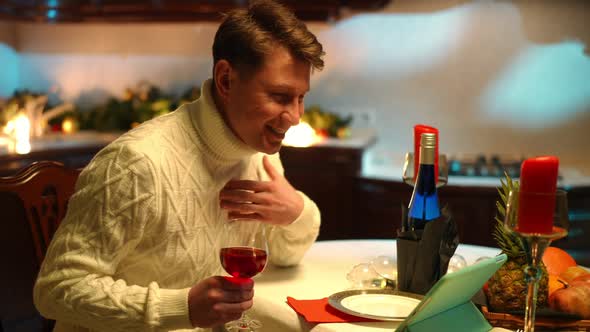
point(508, 242)
point(501, 210)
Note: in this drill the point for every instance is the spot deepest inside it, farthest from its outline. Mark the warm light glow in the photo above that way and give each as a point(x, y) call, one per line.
point(68, 126)
point(19, 129)
point(301, 135)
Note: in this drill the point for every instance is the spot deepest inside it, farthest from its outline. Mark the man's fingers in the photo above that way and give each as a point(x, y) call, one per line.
point(235, 296)
point(269, 168)
point(245, 197)
point(255, 186)
point(231, 283)
point(245, 208)
point(239, 196)
point(236, 216)
point(233, 307)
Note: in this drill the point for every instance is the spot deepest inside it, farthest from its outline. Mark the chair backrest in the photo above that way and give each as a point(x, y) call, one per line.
point(32, 204)
point(44, 188)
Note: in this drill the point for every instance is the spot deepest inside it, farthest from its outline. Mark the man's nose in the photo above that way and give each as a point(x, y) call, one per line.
point(293, 113)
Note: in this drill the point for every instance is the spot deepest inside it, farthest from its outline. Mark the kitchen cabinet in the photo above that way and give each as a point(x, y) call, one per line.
point(328, 176)
point(577, 243)
point(77, 157)
point(357, 207)
point(474, 209)
point(379, 208)
point(381, 203)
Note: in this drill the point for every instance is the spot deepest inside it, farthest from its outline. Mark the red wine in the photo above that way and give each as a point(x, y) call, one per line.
point(243, 262)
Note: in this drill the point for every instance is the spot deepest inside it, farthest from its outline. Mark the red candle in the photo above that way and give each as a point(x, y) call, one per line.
point(420, 129)
point(536, 200)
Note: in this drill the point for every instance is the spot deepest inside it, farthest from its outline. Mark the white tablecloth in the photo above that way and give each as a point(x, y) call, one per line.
point(322, 273)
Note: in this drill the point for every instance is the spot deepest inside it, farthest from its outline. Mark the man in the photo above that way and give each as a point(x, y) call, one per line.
point(139, 247)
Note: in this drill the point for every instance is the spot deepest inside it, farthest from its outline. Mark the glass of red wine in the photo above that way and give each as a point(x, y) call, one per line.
point(243, 255)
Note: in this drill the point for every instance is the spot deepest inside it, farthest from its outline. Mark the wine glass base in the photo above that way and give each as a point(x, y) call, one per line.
point(245, 324)
point(239, 329)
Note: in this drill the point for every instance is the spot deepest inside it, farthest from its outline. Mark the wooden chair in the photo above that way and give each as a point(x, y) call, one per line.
point(32, 204)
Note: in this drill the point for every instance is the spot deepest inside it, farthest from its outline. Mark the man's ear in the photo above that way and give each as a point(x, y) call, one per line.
point(222, 77)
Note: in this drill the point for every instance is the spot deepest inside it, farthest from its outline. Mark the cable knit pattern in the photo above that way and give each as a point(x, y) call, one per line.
point(144, 225)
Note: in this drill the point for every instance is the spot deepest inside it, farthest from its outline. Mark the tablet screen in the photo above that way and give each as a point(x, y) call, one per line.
point(454, 289)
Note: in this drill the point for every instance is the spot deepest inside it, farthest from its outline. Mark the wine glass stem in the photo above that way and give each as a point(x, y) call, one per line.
point(532, 275)
point(243, 321)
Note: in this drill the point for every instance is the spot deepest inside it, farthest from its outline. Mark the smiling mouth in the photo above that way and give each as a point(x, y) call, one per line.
point(277, 133)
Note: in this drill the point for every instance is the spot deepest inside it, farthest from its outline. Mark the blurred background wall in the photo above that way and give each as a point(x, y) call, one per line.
point(494, 76)
point(9, 64)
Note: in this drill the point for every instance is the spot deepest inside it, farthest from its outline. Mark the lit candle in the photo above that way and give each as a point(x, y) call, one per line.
point(68, 126)
point(420, 129)
point(536, 200)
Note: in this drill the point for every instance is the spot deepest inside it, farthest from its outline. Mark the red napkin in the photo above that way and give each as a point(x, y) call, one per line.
point(319, 311)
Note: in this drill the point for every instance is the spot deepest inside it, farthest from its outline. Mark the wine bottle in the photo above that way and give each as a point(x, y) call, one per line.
point(424, 206)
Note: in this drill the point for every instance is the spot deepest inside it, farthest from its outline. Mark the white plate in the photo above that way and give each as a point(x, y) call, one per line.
point(377, 304)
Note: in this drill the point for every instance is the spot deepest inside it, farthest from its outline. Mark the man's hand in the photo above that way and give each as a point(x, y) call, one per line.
point(217, 300)
point(274, 202)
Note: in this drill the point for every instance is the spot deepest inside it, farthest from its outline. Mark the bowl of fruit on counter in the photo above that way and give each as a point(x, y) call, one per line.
point(327, 123)
point(563, 300)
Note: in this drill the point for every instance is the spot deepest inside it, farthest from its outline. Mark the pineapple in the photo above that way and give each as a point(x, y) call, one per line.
point(507, 288)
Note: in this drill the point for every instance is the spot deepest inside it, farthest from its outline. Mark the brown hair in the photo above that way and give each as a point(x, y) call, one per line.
point(246, 35)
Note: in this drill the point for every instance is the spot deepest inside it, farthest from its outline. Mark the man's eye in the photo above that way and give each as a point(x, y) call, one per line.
point(281, 98)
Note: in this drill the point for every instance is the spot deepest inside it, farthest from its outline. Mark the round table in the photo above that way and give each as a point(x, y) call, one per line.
point(321, 273)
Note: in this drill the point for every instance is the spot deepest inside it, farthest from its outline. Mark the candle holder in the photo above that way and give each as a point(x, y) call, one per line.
point(408, 170)
point(535, 243)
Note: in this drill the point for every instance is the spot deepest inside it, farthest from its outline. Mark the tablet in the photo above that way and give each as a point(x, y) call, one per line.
point(454, 290)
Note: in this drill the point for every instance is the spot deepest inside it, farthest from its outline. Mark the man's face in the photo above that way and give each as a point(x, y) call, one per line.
point(263, 105)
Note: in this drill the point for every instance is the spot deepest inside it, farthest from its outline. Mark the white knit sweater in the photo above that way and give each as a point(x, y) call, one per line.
point(144, 225)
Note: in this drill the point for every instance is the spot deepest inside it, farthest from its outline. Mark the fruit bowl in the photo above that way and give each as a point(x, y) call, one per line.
point(546, 319)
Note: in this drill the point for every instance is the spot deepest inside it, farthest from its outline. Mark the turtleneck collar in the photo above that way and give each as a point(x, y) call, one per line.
point(222, 143)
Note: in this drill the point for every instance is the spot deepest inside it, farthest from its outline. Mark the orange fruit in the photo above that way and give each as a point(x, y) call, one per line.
point(557, 260)
point(572, 273)
point(555, 283)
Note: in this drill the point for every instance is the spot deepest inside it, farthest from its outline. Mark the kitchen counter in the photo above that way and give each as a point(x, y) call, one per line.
point(386, 167)
point(390, 169)
point(73, 150)
point(358, 139)
point(58, 141)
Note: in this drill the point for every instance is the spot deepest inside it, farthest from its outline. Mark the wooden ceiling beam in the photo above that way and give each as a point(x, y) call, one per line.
point(163, 10)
